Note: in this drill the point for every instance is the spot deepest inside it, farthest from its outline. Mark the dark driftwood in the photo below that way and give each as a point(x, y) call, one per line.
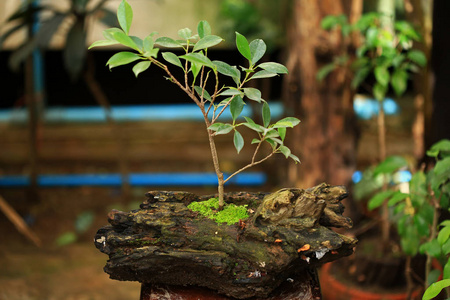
point(166, 243)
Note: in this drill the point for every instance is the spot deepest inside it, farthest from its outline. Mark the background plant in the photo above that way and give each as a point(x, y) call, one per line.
point(197, 70)
point(418, 207)
point(383, 58)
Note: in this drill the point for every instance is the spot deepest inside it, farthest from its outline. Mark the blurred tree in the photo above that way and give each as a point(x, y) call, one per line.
point(326, 139)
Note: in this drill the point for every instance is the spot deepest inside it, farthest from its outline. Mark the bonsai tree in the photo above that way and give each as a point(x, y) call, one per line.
point(198, 69)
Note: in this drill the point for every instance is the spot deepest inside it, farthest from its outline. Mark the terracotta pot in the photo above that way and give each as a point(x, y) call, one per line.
point(334, 289)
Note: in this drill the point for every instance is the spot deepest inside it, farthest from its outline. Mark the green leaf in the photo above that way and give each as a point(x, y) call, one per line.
point(236, 107)
point(203, 29)
point(122, 58)
point(221, 128)
point(148, 43)
point(399, 81)
point(203, 92)
point(253, 94)
point(83, 221)
point(125, 16)
point(140, 67)
point(325, 70)
point(442, 167)
point(172, 58)
point(238, 141)
point(227, 70)
point(295, 158)
point(382, 75)
point(397, 197)
point(418, 57)
point(443, 235)
point(253, 126)
point(207, 41)
point(435, 289)
point(282, 133)
point(231, 92)
point(256, 141)
point(185, 33)
point(287, 122)
point(443, 146)
point(263, 74)
point(152, 53)
point(274, 67)
point(285, 150)
point(103, 43)
point(198, 58)
point(66, 238)
point(257, 50)
point(359, 77)
point(109, 33)
point(329, 22)
point(379, 91)
point(422, 225)
point(377, 200)
point(390, 165)
point(168, 42)
point(125, 40)
point(266, 114)
point(431, 248)
point(243, 46)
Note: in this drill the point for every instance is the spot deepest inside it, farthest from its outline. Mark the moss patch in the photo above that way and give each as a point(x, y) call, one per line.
point(230, 214)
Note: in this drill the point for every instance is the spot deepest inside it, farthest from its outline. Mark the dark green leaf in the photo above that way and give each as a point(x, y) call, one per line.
point(330, 21)
point(207, 41)
point(274, 67)
point(379, 91)
point(168, 42)
point(443, 235)
point(418, 57)
point(266, 114)
point(238, 141)
point(227, 70)
point(75, 50)
point(399, 81)
point(287, 122)
point(295, 158)
point(324, 71)
point(431, 248)
point(203, 29)
point(254, 126)
point(256, 141)
point(236, 107)
point(66, 238)
point(397, 197)
point(360, 75)
point(435, 289)
point(221, 128)
point(138, 41)
point(377, 200)
point(125, 16)
point(172, 58)
point(443, 168)
point(257, 50)
point(263, 74)
point(122, 58)
point(390, 165)
point(422, 225)
point(198, 58)
point(140, 67)
point(243, 46)
point(382, 75)
point(253, 94)
point(203, 92)
point(443, 147)
point(447, 269)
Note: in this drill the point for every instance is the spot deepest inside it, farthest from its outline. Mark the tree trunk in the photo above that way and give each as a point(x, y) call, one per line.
point(326, 138)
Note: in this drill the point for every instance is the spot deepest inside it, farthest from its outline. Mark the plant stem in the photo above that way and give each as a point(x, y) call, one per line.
point(385, 228)
point(433, 235)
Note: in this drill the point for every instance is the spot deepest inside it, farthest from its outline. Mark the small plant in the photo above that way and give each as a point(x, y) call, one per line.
point(415, 208)
point(198, 70)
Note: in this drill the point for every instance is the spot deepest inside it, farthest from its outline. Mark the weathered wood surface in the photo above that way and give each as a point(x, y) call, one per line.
point(287, 234)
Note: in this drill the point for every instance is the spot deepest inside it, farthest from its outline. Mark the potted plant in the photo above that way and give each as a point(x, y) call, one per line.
point(382, 59)
point(239, 244)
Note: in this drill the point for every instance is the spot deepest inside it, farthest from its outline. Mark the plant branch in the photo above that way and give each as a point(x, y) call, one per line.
point(253, 163)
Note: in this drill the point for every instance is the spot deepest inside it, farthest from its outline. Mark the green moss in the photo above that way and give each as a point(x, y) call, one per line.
point(230, 214)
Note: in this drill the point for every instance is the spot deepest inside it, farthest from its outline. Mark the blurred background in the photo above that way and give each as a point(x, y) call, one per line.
point(77, 140)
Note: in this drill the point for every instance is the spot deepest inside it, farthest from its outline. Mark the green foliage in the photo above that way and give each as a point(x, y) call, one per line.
point(434, 289)
point(385, 53)
point(415, 211)
point(230, 214)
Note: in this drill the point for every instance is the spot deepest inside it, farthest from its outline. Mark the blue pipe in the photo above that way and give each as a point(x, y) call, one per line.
point(135, 179)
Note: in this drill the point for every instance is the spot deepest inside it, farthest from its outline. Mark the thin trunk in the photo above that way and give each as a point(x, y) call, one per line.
point(102, 100)
point(385, 226)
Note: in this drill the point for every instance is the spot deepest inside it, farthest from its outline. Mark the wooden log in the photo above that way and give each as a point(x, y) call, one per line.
point(287, 234)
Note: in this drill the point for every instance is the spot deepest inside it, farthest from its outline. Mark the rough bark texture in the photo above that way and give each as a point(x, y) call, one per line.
point(327, 137)
point(287, 234)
